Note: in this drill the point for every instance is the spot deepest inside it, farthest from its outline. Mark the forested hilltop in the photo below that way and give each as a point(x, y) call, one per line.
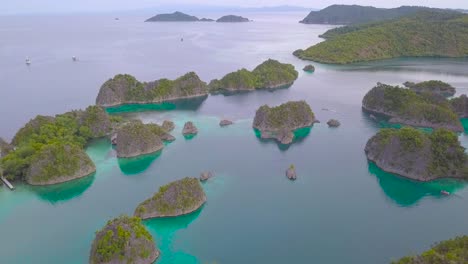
point(356, 14)
point(424, 34)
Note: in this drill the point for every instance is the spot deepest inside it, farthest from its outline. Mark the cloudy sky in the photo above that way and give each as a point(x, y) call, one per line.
point(41, 6)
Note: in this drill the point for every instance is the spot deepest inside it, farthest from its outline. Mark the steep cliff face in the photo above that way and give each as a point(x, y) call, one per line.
point(280, 122)
point(125, 89)
point(404, 106)
point(123, 240)
point(413, 154)
point(135, 139)
point(270, 74)
point(5, 147)
point(58, 163)
point(176, 198)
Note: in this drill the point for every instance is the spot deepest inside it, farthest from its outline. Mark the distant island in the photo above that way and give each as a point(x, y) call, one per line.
point(356, 14)
point(417, 155)
point(423, 34)
point(271, 74)
point(433, 86)
point(232, 19)
point(50, 150)
point(123, 240)
point(176, 17)
point(174, 199)
point(126, 89)
point(281, 121)
point(448, 251)
point(406, 107)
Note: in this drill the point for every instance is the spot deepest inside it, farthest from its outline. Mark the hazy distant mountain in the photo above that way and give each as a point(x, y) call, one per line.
point(355, 14)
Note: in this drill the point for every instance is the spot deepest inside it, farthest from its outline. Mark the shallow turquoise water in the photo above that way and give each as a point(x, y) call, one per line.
point(341, 209)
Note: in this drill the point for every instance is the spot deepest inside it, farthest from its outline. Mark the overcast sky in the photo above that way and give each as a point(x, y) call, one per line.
point(41, 6)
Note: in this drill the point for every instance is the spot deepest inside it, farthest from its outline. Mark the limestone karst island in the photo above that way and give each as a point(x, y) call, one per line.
point(203, 132)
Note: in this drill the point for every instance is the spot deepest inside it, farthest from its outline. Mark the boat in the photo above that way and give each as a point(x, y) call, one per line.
point(28, 61)
point(74, 58)
point(443, 192)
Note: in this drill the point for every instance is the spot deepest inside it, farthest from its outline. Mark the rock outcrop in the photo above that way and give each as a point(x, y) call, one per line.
point(123, 240)
point(225, 122)
point(280, 122)
point(419, 156)
point(135, 139)
point(125, 89)
point(206, 176)
point(291, 173)
point(232, 19)
point(168, 125)
point(333, 123)
point(309, 68)
point(460, 106)
point(406, 107)
point(433, 87)
point(5, 148)
point(174, 199)
point(271, 74)
point(189, 129)
point(58, 163)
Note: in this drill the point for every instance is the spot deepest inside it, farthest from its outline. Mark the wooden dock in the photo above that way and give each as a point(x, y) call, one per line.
point(7, 183)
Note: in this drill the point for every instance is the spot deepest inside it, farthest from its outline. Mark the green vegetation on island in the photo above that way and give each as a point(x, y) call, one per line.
point(49, 150)
point(123, 240)
point(420, 156)
point(404, 106)
point(424, 34)
point(5, 147)
point(176, 17)
point(452, 251)
point(176, 198)
point(270, 74)
point(433, 86)
point(281, 121)
point(126, 89)
point(356, 14)
point(460, 106)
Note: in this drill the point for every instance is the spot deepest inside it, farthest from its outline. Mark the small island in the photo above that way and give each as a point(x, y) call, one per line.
point(271, 74)
point(434, 87)
point(189, 129)
point(333, 123)
point(174, 199)
point(417, 155)
point(448, 251)
point(291, 173)
point(429, 33)
point(403, 106)
point(135, 139)
point(309, 68)
point(50, 150)
point(126, 89)
point(123, 240)
point(174, 17)
point(280, 122)
point(232, 19)
point(168, 125)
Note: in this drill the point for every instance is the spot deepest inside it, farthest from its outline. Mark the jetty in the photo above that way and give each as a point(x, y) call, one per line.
point(7, 183)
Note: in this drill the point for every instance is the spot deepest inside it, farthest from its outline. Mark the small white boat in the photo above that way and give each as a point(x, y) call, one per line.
point(443, 192)
point(28, 61)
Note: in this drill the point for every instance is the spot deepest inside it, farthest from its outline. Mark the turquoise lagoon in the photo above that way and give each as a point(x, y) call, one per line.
point(342, 209)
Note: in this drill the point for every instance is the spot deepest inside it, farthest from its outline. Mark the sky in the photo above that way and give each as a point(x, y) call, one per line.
point(58, 6)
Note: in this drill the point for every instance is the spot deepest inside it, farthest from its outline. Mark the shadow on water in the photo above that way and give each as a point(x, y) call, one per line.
point(406, 192)
point(182, 104)
point(299, 137)
point(164, 231)
point(131, 166)
point(64, 191)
